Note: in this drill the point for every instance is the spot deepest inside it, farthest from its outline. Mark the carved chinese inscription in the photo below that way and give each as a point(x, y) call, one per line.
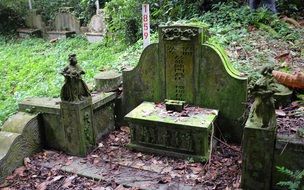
point(179, 70)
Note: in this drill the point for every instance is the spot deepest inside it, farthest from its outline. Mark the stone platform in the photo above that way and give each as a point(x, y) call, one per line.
point(60, 34)
point(186, 134)
point(28, 32)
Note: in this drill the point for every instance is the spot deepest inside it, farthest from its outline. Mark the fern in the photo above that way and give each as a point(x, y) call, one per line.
point(295, 178)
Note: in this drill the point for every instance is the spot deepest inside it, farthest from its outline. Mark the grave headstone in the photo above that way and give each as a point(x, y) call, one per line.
point(96, 28)
point(34, 23)
point(65, 24)
point(184, 66)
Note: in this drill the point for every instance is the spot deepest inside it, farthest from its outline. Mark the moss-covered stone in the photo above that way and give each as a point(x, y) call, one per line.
point(155, 130)
point(182, 66)
point(107, 81)
point(20, 137)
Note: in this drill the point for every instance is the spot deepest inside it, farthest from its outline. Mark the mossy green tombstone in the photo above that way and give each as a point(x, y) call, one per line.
point(184, 66)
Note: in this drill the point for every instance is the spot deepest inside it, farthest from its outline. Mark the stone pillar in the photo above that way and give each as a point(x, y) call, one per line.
point(259, 143)
point(77, 121)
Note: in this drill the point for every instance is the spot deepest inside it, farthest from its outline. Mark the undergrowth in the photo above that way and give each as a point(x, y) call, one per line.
point(31, 67)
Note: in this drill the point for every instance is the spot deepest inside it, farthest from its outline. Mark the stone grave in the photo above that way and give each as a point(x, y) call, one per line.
point(34, 23)
point(65, 24)
point(183, 66)
point(96, 28)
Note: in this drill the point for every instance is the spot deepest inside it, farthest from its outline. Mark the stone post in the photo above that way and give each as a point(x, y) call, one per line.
point(259, 137)
point(77, 121)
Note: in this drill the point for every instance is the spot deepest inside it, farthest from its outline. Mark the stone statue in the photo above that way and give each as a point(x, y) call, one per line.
point(269, 4)
point(262, 113)
point(74, 88)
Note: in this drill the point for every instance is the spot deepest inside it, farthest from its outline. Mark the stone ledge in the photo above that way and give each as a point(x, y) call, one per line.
point(52, 106)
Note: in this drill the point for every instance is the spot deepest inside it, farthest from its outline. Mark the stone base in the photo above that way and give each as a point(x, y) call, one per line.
point(27, 33)
point(52, 35)
point(94, 37)
point(107, 81)
point(155, 130)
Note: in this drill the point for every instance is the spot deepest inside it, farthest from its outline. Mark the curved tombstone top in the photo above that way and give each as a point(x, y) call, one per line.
point(184, 66)
point(97, 23)
point(66, 21)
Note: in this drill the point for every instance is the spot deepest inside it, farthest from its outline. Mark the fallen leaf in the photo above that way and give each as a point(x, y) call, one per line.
point(68, 181)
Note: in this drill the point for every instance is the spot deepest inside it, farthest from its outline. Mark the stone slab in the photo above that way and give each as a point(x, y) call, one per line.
point(52, 35)
point(52, 105)
point(127, 176)
point(28, 32)
point(148, 112)
point(94, 37)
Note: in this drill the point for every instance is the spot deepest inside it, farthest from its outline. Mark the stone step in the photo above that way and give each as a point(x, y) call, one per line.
point(20, 137)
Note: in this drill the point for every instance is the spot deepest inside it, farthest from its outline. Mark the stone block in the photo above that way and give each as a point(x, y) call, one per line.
point(60, 34)
point(108, 81)
point(27, 33)
point(94, 37)
point(156, 131)
point(77, 122)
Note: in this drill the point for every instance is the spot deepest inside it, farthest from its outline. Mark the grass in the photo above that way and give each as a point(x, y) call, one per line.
point(31, 67)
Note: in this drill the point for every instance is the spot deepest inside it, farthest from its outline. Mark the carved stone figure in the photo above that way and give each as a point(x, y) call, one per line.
point(262, 113)
point(74, 88)
point(269, 4)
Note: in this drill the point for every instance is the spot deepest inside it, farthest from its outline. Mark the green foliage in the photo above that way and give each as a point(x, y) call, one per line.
point(124, 16)
point(295, 177)
point(31, 67)
point(231, 16)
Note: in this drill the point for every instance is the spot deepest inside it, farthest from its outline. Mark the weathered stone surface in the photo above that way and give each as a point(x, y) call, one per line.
point(20, 137)
point(108, 81)
point(77, 121)
point(127, 176)
point(97, 24)
point(96, 28)
point(35, 25)
point(65, 21)
point(259, 138)
point(55, 135)
point(94, 37)
point(180, 67)
point(289, 153)
point(27, 33)
point(60, 34)
point(154, 130)
point(34, 20)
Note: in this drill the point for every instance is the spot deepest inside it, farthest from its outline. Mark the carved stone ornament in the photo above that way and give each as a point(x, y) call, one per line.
point(179, 33)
